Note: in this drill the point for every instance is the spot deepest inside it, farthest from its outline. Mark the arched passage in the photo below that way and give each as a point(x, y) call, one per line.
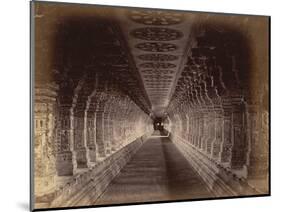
point(120, 91)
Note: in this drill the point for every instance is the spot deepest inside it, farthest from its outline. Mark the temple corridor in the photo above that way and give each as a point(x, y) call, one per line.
point(157, 172)
point(147, 105)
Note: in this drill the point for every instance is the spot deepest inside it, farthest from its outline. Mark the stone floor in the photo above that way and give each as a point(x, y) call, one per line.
point(157, 172)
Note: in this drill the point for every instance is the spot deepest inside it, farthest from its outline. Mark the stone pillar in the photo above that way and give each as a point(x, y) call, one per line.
point(191, 129)
point(91, 137)
point(205, 131)
point(200, 130)
point(66, 161)
point(106, 133)
point(218, 130)
point(118, 131)
point(183, 125)
point(258, 157)
point(114, 134)
point(80, 141)
point(196, 130)
point(100, 134)
point(110, 129)
point(239, 149)
point(210, 133)
point(187, 127)
point(124, 129)
point(44, 138)
point(226, 145)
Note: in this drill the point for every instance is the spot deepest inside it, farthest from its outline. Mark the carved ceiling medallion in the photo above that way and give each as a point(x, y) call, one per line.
point(156, 34)
point(157, 65)
point(157, 71)
point(156, 47)
point(157, 78)
point(158, 57)
point(150, 17)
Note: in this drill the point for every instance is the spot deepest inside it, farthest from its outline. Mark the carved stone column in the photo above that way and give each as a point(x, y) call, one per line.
point(80, 141)
point(110, 132)
point(211, 132)
point(205, 131)
point(101, 151)
point(183, 125)
point(117, 131)
point(66, 161)
point(200, 130)
point(191, 129)
point(218, 130)
point(226, 145)
point(196, 131)
point(239, 149)
point(44, 138)
point(257, 166)
point(187, 127)
point(91, 137)
point(107, 138)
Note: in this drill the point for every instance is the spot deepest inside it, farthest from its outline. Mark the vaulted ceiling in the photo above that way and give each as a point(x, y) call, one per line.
point(155, 57)
point(159, 42)
point(138, 51)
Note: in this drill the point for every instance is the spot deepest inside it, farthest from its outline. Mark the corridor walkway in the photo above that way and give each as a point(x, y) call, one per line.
point(157, 172)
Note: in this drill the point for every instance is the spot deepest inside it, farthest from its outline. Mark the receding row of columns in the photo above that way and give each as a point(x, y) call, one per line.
point(220, 104)
point(68, 140)
point(235, 137)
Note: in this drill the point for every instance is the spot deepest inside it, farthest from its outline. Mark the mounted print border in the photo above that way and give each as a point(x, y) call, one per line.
point(140, 105)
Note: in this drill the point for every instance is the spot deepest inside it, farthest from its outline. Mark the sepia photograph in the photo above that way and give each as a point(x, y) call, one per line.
point(141, 105)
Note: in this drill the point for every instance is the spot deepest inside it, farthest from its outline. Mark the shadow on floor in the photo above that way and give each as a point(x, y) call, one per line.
point(160, 133)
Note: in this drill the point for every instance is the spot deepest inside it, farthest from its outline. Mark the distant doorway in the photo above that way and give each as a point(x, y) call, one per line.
point(158, 124)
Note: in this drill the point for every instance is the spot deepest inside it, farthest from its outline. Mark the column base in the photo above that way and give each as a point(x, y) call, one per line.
point(101, 155)
point(65, 166)
point(108, 151)
point(92, 155)
point(215, 150)
point(81, 158)
point(238, 159)
point(225, 154)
